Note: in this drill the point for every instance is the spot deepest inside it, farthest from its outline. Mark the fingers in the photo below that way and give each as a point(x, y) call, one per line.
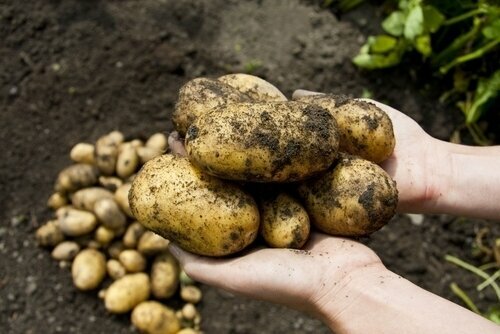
point(302, 92)
point(175, 144)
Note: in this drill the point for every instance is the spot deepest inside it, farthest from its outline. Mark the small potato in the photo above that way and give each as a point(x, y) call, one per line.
point(258, 89)
point(106, 152)
point(126, 292)
point(263, 142)
point(202, 214)
point(49, 234)
point(147, 153)
point(74, 222)
point(115, 269)
point(88, 269)
point(109, 214)
point(157, 141)
point(365, 130)
point(200, 95)
point(127, 161)
point(104, 235)
point(132, 260)
point(188, 330)
point(65, 251)
point(133, 234)
point(151, 243)
point(190, 294)
point(85, 199)
point(121, 197)
point(76, 177)
point(57, 200)
point(354, 198)
point(284, 222)
point(83, 153)
point(110, 183)
point(155, 318)
point(164, 276)
point(189, 311)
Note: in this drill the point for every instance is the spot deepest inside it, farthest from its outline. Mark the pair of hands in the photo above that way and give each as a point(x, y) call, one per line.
point(311, 279)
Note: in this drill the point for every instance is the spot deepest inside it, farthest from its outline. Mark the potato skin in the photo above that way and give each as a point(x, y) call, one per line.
point(200, 213)
point(354, 198)
point(365, 130)
point(256, 88)
point(88, 269)
point(264, 142)
point(200, 95)
point(284, 222)
point(151, 317)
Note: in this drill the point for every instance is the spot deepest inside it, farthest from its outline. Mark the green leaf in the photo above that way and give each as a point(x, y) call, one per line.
point(492, 31)
point(382, 43)
point(373, 61)
point(394, 24)
point(487, 89)
point(432, 18)
point(414, 23)
point(423, 44)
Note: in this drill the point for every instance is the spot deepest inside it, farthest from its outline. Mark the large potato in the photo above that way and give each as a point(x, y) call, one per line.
point(126, 292)
point(354, 198)
point(264, 142)
point(284, 222)
point(365, 130)
point(88, 269)
point(155, 318)
point(258, 89)
point(199, 96)
point(202, 214)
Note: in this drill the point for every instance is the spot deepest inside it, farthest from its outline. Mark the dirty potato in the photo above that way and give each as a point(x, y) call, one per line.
point(74, 222)
point(49, 234)
point(354, 198)
point(151, 243)
point(83, 153)
point(256, 88)
point(75, 177)
point(264, 142)
point(126, 161)
point(85, 199)
point(202, 214)
point(126, 292)
point(164, 275)
point(121, 197)
point(109, 214)
point(151, 317)
point(88, 269)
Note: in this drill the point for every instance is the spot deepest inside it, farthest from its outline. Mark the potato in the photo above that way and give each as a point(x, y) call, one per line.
point(147, 153)
point(190, 294)
point(88, 269)
point(189, 311)
point(85, 199)
point(132, 260)
point(155, 318)
point(188, 330)
point(258, 89)
point(151, 243)
point(57, 200)
point(121, 197)
point(115, 249)
point(109, 214)
point(127, 161)
point(202, 214)
point(110, 183)
point(106, 152)
point(115, 269)
point(263, 142)
point(157, 141)
point(284, 222)
point(104, 235)
point(354, 198)
point(74, 222)
point(76, 177)
point(49, 234)
point(133, 234)
point(200, 95)
point(65, 251)
point(164, 275)
point(83, 153)
point(126, 292)
point(365, 130)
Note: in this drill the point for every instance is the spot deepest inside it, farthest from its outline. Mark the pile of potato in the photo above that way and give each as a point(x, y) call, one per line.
point(95, 231)
point(259, 164)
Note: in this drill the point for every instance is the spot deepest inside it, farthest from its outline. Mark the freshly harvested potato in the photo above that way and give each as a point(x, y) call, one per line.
point(365, 130)
point(74, 222)
point(104, 235)
point(189, 311)
point(127, 161)
point(65, 251)
point(155, 318)
point(57, 200)
point(258, 89)
point(121, 197)
point(284, 222)
point(110, 183)
point(133, 234)
point(106, 152)
point(82, 153)
point(132, 260)
point(263, 142)
point(85, 199)
point(115, 269)
point(188, 330)
point(126, 292)
point(49, 234)
point(202, 214)
point(164, 275)
point(354, 198)
point(147, 153)
point(151, 243)
point(88, 269)
point(190, 294)
point(109, 214)
point(199, 96)
point(76, 177)
point(157, 141)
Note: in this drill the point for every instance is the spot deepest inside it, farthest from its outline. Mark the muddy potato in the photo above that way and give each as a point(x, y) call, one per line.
point(365, 130)
point(200, 95)
point(121, 197)
point(76, 177)
point(109, 214)
point(256, 88)
point(157, 141)
point(264, 142)
point(85, 199)
point(126, 292)
point(88, 269)
point(74, 222)
point(49, 234)
point(65, 251)
point(82, 153)
point(115, 269)
point(151, 243)
point(164, 275)
point(155, 318)
point(133, 234)
point(106, 152)
point(202, 214)
point(284, 222)
point(110, 183)
point(57, 200)
point(132, 260)
point(127, 161)
point(354, 198)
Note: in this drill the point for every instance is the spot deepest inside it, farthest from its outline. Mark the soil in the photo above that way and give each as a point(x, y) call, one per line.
point(74, 70)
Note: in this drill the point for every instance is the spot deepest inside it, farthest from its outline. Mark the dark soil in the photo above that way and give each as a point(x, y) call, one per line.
point(71, 71)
